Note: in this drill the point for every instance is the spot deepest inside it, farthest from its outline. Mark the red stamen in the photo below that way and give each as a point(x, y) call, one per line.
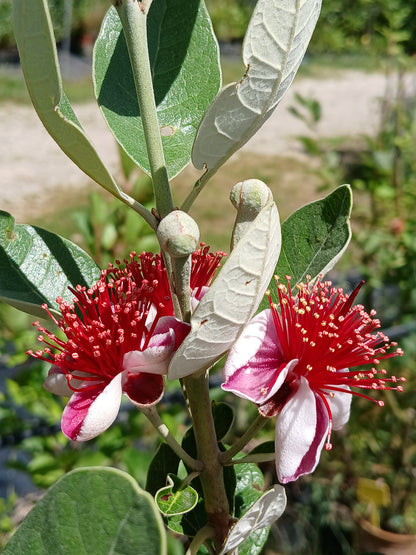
point(330, 336)
point(116, 315)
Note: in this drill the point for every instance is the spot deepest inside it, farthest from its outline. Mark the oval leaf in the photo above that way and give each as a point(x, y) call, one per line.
point(173, 501)
point(39, 61)
point(223, 416)
point(314, 239)
point(37, 266)
point(184, 59)
point(164, 462)
point(274, 46)
point(233, 298)
point(92, 510)
point(262, 514)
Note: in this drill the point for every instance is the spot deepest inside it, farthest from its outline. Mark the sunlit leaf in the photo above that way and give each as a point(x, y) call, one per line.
point(274, 46)
point(92, 510)
point(249, 489)
point(173, 500)
point(314, 238)
point(39, 61)
point(262, 514)
point(184, 60)
point(37, 266)
point(233, 297)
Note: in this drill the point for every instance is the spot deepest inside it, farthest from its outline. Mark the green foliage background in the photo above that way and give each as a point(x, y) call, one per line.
point(344, 25)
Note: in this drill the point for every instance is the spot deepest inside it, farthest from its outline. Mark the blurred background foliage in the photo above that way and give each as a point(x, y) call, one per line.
point(370, 473)
point(345, 26)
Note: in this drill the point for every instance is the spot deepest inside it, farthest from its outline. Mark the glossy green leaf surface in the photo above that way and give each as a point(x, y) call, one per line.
point(275, 43)
point(184, 60)
point(314, 239)
point(249, 488)
point(39, 61)
point(37, 266)
point(92, 510)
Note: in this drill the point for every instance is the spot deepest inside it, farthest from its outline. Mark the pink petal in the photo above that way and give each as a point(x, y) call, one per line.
point(301, 430)
point(144, 389)
point(168, 334)
point(165, 325)
point(197, 295)
point(153, 360)
point(252, 367)
point(91, 411)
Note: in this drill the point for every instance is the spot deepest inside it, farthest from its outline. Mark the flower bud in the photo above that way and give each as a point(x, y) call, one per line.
point(249, 197)
point(178, 234)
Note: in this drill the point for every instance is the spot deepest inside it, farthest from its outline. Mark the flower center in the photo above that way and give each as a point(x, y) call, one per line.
point(102, 324)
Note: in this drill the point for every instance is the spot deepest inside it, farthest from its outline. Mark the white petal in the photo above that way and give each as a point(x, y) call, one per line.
point(248, 343)
point(300, 432)
point(102, 411)
point(56, 382)
point(340, 405)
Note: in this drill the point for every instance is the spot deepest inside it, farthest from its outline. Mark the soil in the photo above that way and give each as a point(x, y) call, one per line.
point(35, 175)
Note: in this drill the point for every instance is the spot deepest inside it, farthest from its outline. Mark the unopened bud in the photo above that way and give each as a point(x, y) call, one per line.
point(249, 198)
point(178, 234)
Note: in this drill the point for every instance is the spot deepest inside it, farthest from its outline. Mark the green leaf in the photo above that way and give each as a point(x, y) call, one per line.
point(165, 462)
point(223, 416)
point(174, 523)
point(93, 510)
point(233, 298)
point(172, 500)
point(186, 76)
point(249, 487)
point(255, 542)
point(314, 239)
point(265, 447)
point(39, 61)
point(37, 266)
point(275, 43)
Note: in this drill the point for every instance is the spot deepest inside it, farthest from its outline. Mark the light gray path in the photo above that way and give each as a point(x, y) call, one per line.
point(32, 167)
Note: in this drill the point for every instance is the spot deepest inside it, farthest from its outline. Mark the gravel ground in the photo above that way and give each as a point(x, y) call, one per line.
point(33, 169)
